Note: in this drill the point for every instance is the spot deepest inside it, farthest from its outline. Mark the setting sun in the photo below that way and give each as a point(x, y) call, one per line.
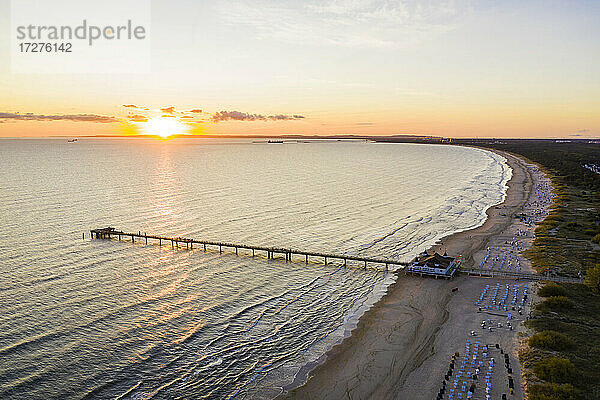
point(164, 127)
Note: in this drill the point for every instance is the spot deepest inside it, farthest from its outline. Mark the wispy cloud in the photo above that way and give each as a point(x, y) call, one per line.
point(67, 117)
point(168, 110)
point(134, 106)
point(581, 133)
point(137, 118)
point(348, 23)
point(242, 116)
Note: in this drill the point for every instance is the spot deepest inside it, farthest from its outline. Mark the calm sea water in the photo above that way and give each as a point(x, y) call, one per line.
point(101, 319)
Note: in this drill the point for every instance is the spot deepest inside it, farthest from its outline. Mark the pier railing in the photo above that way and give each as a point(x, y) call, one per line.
point(270, 252)
point(274, 252)
point(518, 275)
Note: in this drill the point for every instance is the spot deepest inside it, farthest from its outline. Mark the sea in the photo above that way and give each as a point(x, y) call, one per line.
point(83, 318)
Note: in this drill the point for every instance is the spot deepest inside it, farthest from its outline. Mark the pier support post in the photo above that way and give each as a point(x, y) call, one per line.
point(107, 233)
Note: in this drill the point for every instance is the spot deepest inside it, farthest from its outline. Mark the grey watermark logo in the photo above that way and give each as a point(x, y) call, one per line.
point(74, 36)
point(85, 31)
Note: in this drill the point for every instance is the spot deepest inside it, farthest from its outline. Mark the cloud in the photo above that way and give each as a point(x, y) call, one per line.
point(280, 117)
point(283, 117)
point(68, 117)
point(347, 23)
point(236, 115)
point(365, 123)
point(168, 110)
point(137, 118)
point(581, 133)
point(196, 111)
point(130, 106)
point(242, 116)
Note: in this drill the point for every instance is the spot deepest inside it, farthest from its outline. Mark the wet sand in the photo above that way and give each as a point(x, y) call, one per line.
point(401, 346)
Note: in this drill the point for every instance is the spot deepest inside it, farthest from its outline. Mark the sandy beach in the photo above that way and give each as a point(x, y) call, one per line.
point(402, 346)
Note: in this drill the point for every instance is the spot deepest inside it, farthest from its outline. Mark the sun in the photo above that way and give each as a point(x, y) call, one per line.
point(164, 127)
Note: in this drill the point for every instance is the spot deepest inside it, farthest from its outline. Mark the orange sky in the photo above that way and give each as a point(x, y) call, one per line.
point(452, 69)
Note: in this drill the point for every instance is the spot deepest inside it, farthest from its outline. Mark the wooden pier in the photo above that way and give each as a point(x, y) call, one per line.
point(270, 252)
point(366, 262)
point(517, 275)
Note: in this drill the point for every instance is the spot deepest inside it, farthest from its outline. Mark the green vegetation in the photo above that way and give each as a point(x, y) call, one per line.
point(555, 370)
point(555, 303)
point(580, 326)
point(552, 391)
point(551, 340)
point(592, 278)
point(563, 358)
point(551, 289)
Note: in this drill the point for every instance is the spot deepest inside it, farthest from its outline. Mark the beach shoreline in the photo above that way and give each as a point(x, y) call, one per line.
point(396, 348)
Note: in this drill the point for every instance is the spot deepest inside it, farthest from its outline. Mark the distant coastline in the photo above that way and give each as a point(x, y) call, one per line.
point(401, 138)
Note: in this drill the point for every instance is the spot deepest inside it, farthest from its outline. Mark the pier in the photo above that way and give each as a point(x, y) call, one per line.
point(366, 262)
point(491, 273)
point(270, 252)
